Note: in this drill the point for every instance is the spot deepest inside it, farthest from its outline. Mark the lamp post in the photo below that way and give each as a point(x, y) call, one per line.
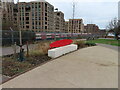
point(12, 36)
point(21, 55)
point(13, 44)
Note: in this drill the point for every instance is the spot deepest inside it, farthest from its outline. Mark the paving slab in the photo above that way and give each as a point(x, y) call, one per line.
point(93, 67)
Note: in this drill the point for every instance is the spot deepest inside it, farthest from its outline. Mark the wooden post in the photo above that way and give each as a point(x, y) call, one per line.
point(14, 48)
point(27, 49)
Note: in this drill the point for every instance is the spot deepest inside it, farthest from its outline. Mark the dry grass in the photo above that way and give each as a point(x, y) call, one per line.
point(37, 55)
point(41, 48)
point(80, 43)
point(10, 67)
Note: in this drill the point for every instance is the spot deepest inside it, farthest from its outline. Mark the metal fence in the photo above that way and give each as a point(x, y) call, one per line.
point(10, 37)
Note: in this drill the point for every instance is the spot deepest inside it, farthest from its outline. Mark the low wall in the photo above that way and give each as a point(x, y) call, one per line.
point(56, 52)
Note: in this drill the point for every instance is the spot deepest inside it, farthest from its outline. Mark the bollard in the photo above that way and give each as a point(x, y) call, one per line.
point(21, 54)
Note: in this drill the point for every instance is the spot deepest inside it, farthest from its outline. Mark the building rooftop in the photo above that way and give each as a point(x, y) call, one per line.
point(75, 19)
point(38, 1)
point(34, 1)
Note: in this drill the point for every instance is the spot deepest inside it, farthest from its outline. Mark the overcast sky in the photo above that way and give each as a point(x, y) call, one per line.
point(98, 12)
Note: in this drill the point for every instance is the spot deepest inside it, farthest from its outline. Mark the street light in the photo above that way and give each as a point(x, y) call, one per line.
point(14, 44)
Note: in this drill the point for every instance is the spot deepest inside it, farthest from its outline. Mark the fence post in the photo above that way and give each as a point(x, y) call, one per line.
point(14, 48)
point(27, 49)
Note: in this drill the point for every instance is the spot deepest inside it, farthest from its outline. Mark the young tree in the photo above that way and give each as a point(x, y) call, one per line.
point(7, 24)
point(114, 26)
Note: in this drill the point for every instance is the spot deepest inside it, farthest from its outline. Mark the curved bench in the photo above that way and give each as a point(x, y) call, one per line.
point(56, 52)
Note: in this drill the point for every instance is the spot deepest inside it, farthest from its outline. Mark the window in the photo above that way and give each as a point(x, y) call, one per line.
point(27, 26)
point(46, 18)
point(27, 18)
point(27, 14)
point(27, 8)
point(32, 23)
point(22, 14)
point(33, 27)
point(27, 22)
point(15, 14)
point(45, 27)
point(45, 14)
point(15, 18)
point(58, 14)
point(32, 5)
point(45, 22)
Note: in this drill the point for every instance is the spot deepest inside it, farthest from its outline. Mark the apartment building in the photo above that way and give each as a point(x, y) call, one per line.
point(1, 15)
point(36, 16)
point(66, 26)
point(1, 9)
point(91, 28)
point(59, 22)
point(76, 26)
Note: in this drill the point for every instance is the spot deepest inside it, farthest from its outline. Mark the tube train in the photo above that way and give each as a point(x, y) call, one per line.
point(48, 36)
point(8, 36)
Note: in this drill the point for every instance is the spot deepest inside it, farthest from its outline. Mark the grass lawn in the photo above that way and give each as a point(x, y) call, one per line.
point(106, 41)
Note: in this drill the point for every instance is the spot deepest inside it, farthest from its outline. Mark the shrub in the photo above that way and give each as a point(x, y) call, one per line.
point(90, 44)
point(11, 67)
point(81, 44)
point(36, 53)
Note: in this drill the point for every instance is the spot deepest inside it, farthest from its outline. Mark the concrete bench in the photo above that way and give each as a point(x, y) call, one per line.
point(56, 52)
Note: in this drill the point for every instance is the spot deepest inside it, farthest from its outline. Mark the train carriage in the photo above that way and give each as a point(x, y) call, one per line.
point(57, 36)
point(40, 36)
point(48, 36)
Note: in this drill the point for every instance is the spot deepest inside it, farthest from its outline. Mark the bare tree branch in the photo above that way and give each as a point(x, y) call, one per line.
point(114, 25)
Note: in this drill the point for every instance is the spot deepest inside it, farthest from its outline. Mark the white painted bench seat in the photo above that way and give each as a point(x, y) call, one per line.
point(56, 52)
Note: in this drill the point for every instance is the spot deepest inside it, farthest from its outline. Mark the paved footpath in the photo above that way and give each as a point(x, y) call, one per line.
point(93, 67)
point(9, 50)
point(110, 46)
